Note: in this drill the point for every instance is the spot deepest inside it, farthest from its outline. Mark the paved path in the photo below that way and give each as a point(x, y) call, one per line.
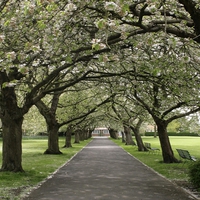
point(104, 171)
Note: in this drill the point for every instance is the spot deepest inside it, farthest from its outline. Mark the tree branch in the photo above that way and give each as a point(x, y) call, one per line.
point(89, 112)
point(182, 115)
point(3, 4)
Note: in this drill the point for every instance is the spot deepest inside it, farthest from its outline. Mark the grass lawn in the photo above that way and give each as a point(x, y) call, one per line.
point(37, 166)
point(174, 171)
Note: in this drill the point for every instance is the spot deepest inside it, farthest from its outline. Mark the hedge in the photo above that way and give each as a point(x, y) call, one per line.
point(174, 134)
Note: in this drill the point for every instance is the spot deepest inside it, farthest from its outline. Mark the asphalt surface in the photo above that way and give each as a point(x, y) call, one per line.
point(104, 171)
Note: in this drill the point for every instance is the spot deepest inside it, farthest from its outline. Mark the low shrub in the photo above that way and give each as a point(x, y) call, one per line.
point(194, 174)
point(174, 134)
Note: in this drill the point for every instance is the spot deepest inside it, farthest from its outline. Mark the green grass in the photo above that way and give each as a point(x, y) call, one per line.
point(37, 166)
point(174, 171)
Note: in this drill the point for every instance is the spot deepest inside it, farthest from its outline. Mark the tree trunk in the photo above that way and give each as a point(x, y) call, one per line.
point(68, 137)
point(52, 127)
point(90, 133)
point(140, 143)
point(192, 7)
point(129, 139)
point(138, 137)
point(113, 133)
point(81, 135)
point(123, 137)
point(84, 135)
point(12, 144)
point(12, 132)
point(87, 134)
point(167, 152)
point(77, 139)
point(155, 131)
point(53, 139)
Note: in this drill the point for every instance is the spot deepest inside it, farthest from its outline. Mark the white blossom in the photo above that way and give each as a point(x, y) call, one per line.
point(111, 6)
point(71, 7)
point(9, 84)
point(36, 49)
point(62, 62)
point(2, 38)
point(186, 59)
point(95, 41)
point(36, 63)
point(11, 55)
point(112, 24)
point(102, 46)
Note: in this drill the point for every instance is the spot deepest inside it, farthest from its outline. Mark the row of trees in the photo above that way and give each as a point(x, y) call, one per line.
point(140, 57)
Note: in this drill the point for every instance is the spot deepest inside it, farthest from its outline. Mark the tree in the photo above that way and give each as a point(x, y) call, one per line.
point(179, 18)
point(131, 118)
point(157, 81)
point(36, 47)
point(174, 126)
point(159, 93)
point(51, 123)
point(68, 137)
point(125, 121)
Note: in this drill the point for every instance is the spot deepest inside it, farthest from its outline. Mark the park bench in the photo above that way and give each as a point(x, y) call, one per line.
point(185, 154)
point(148, 146)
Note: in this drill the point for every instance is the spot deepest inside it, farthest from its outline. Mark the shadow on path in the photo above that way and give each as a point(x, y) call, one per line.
point(104, 171)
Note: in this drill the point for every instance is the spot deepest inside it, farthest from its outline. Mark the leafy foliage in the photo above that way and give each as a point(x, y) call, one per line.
point(194, 174)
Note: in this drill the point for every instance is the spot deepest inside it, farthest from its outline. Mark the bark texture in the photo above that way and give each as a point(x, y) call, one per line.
point(192, 8)
point(167, 152)
point(123, 137)
point(68, 137)
point(113, 133)
point(53, 139)
point(77, 138)
point(52, 127)
point(12, 119)
point(136, 130)
point(129, 139)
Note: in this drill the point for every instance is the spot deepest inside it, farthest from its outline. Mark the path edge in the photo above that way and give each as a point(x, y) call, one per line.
point(185, 190)
point(28, 191)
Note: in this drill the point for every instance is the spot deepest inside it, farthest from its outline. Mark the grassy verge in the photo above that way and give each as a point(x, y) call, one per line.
point(37, 166)
point(174, 171)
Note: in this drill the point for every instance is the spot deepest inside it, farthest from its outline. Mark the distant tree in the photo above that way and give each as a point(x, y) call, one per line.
point(174, 126)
